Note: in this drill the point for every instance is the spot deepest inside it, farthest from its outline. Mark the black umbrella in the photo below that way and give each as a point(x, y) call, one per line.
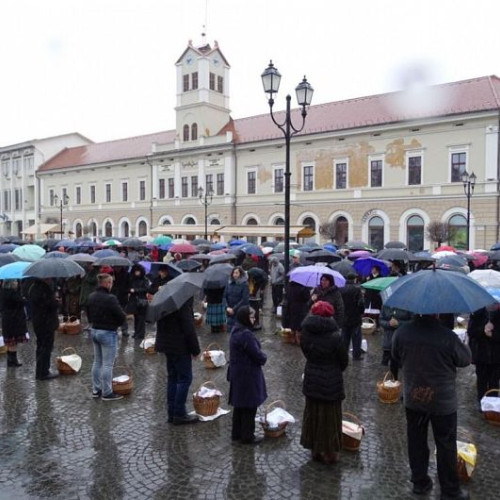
point(113, 261)
point(188, 266)
point(323, 256)
point(216, 276)
point(133, 243)
point(396, 244)
point(201, 241)
point(7, 258)
point(218, 259)
point(358, 245)
point(394, 254)
point(82, 257)
point(173, 295)
point(53, 268)
point(55, 254)
point(200, 257)
point(344, 267)
point(173, 271)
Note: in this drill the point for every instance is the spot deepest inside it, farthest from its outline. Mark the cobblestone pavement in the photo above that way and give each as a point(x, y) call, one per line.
point(58, 443)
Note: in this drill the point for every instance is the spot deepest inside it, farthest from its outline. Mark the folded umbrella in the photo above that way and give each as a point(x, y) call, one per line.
point(53, 268)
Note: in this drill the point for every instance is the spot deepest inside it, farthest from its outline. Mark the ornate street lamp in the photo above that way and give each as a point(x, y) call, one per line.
point(469, 181)
point(205, 198)
point(271, 78)
point(61, 202)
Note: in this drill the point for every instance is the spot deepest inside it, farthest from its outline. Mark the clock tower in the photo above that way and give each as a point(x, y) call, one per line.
point(202, 108)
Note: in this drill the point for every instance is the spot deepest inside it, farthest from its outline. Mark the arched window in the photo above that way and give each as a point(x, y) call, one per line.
point(190, 220)
point(415, 233)
point(165, 222)
point(78, 230)
point(108, 229)
point(252, 222)
point(458, 232)
point(279, 221)
point(143, 228)
point(310, 223)
point(185, 133)
point(194, 131)
point(125, 230)
point(93, 229)
point(215, 222)
point(341, 230)
point(376, 233)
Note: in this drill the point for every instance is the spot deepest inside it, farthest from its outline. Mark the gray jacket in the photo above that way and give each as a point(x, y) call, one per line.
point(276, 271)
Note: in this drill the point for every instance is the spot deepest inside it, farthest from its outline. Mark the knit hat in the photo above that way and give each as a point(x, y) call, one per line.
point(322, 308)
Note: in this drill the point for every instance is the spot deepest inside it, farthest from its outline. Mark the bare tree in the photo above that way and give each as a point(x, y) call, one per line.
point(437, 232)
point(329, 230)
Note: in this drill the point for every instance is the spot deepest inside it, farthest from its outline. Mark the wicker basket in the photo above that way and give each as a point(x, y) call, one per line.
point(62, 367)
point(151, 349)
point(348, 442)
point(463, 475)
point(287, 335)
point(493, 417)
point(206, 407)
point(198, 319)
point(207, 360)
point(126, 386)
point(273, 432)
point(388, 394)
point(72, 326)
point(368, 325)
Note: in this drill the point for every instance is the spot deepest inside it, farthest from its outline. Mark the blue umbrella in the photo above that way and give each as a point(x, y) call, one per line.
point(363, 266)
point(251, 249)
point(218, 246)
point(436, 291)
point(65, 244)
point(13, 271)
point(496, 246)
point(235, 243)
point(330, 246)
point(55, 255)
point(107, 252)
point(494, 292)
point(7, 247)
point(29, 252)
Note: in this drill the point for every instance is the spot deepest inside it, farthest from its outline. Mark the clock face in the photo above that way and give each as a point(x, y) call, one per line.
point(216, 61)
point(189, 59)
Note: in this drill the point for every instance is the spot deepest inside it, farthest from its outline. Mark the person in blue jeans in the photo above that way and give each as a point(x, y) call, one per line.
point(176, 338)
point(105, 315)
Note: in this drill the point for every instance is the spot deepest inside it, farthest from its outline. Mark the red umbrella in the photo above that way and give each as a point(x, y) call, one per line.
point(183, 248)
point(445, 248)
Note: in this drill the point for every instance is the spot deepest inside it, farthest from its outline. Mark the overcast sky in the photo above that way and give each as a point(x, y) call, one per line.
point(105, 68)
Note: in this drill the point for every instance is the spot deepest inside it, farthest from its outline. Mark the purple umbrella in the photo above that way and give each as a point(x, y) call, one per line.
point(310, 275)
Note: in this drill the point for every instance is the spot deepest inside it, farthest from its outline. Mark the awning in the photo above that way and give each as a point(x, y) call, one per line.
point(185, 229)
point(274, 231)
point(42, 229)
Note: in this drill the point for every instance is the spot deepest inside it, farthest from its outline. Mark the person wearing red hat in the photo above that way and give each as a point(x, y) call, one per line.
point(323, 385)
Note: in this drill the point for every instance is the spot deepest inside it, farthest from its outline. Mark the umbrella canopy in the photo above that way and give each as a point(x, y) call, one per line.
point(280, 247)
point(235, 243)
point(251, 249)
point(452, 260)
point(358, 254)
point(494, 292)
point(65, 244)
point(133, 243)
point(330, 246)
point(310, 275)
point(200, 257)
point(496, 246)
point(323, 256)
point(183, 248)
point(218, 246)
point(395, 244)
point(8, 247)
point(107, 252)
point(379, 283)
point(87, 244)
point(224, 257)
point(494, 255)
point(217, 276)
point(392, 254)
point(7, 258)
point(152, 268)
point(188, 266)
point(112, 243)
point(443, 253)
point(201, 241)
point(162, 240)
point(82, 257)
point(29, 253)
point(344, 267)
point(55, 254)
point(113, 261)
point(174, 295)
point(54, 268)
point(363, 266)
point(445, 248)
point(358, 245)
point(436, 291)
point(486, 277)
point(14, 270)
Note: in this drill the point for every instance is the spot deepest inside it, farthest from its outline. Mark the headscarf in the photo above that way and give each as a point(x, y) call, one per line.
point(322, 308)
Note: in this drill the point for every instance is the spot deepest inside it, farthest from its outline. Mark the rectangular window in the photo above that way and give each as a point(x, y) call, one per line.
point(17, 199)
point(124, 191)
point(251, 182)
point(220, 84)
point(220, 184)
point(341, 175)
point(65, 196)
point(194, 186)
point(184, 187)
point(376, 173)
point(209, 183)
point(194, 80)
point(458, 166)
point(6, 200)
point(308, 178)
point(108, 193)
point(16, 166)
point(414, 170)
point(51, 197)
point(185, 83)
point(171, 190)
point(92, 194)
point(161, 189)
point(78, 195)
point(29, 164)
point(212, 81)
point(142, 190)
point(5, 168)
point(278, 180)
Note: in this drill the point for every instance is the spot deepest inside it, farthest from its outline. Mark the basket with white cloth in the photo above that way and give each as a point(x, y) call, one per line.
point(275, 419)
point(490, 406)
point(352, 432)
point(69, 362)
point(206, 399)
point(213, 356)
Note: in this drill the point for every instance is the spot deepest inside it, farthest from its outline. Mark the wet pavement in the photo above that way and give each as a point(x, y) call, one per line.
point(59, 443)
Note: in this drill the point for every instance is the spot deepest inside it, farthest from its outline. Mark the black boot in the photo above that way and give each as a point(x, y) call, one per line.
point(12, 359)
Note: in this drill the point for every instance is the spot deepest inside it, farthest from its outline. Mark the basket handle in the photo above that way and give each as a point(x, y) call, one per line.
point(68, 348)
point(352, 417)
point(387, 374)
point(72, 319)
point(279, 403)
point(207, 384)
point(213, 344)
point(123, 368)
point(367, 319)
point(491, 390)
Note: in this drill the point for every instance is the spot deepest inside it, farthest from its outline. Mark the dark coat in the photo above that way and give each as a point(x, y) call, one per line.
point(104, 310)
point(333, 296)
point(44, 306)
point(13, 315)
point(121, 286)
point(430, 355)
point(326, 359)
point(176, 334)
point(298, 304)
point(89, 284)
point(354, 304)
point(385, 317)
point(247, 386)
point(485, 350)
point(137, 302)
point(236, 293)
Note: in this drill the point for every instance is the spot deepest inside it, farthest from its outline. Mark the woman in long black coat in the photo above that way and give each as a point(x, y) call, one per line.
point(13, 320)
point(137, 302)
point(298, 297)
point(323, 384)
point(247, 386)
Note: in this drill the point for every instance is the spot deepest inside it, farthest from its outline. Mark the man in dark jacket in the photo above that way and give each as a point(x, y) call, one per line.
point(105, 315)
point(121, 288)
point(176, 337)
point(44, 307)
point(430, 355)
point(354, 307)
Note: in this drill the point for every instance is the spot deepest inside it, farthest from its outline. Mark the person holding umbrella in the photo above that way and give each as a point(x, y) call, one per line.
point(236, 294)
point(329, 292)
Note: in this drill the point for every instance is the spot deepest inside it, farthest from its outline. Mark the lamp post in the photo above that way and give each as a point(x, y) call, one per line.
point(469, 181)
point(271, 81)
point(61, 202)
point(205, 198)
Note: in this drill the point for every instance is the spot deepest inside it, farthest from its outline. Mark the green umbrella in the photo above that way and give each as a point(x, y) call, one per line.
point(379, 283)
point(162, 240)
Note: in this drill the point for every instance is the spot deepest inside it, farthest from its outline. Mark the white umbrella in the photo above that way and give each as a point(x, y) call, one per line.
point(486, 277)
